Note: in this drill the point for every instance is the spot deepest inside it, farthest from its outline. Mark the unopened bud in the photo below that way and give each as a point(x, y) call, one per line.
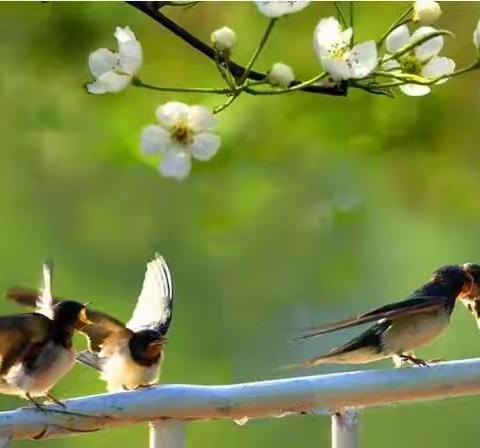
point(280, 75)
point(224, 39)
point(426, 11)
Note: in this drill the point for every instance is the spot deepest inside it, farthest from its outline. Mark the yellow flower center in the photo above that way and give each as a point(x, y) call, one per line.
point(411, 64)
point(181, 133)
point(338, 51)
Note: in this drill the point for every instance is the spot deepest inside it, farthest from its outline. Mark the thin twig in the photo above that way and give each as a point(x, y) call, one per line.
point(151, 9)
point(403, 19)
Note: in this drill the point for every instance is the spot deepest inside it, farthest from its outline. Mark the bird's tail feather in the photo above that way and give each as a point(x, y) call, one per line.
point(308, 363)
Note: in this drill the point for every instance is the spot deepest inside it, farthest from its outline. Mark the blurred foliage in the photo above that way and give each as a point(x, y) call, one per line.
point(314, 208)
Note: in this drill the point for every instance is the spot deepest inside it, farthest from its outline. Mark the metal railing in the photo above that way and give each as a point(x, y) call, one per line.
point(168, 408)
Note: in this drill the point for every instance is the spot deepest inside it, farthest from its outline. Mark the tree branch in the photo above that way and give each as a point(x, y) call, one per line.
point(152, 9)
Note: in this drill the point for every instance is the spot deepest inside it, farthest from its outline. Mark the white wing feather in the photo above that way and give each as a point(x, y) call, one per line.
point(154, 305)
point(44, 302)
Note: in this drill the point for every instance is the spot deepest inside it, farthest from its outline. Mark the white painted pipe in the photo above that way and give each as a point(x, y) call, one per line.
point(325, 394)
point(167, 434)
point(345, 432)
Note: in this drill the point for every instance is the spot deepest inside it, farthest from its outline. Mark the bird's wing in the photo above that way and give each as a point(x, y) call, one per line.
point(89, 359)
point(44, 303)
point(102, 325)
point(18, 334)
point(391, 311)
point(23, 296)
point(154, 305)
point(101, 328)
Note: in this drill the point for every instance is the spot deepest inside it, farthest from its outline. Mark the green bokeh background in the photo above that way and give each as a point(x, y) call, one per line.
point(314, 208)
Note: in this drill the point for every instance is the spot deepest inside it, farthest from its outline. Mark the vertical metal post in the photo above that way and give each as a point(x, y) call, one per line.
point(4, 439)
point(167, 434)
point(345, 433)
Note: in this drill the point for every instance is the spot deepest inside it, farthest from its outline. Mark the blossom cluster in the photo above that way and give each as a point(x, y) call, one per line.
point(411, 62)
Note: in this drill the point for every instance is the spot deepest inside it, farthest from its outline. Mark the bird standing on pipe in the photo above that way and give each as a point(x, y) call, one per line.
point(400, 327)
point(36, 349)
point(127, 356)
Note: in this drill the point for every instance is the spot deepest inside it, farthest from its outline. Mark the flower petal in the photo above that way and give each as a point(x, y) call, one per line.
point(109, 82)
point(131, 57)
point(205, 145)
point(96, 88)
point(391, 65)
point(102, 61)
point(154, 139)
point(327, 34)
point(429, 48)
point(438, 66)
point(280, 8)
point(397, 39)
point(338, 69)
point(476, 36)
point(201, 118)
point(124, 35)
point(176, 164)
point(363, 59)
point(414, 89)
point(171, 113)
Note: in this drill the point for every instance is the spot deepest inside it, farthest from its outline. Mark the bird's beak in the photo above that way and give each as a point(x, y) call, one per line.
point(155, 347)
point(83, 318)
point(470, 289)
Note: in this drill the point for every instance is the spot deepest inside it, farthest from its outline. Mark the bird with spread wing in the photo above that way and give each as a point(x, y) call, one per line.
point(399, 327)
point(36, 349)
point(128, 356)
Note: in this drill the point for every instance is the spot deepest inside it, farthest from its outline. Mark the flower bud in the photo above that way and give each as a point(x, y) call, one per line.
point(426, 11)
point(280, 75)
point(224, 39)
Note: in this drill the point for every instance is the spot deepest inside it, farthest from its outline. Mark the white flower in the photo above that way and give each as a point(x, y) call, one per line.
point(476, 36)
point(423, 60)
point(183, 132)
point(280, 75)
point(280, 8)
point(332, 45)
point(114, 71)
point(426, 11)
point(224, 38)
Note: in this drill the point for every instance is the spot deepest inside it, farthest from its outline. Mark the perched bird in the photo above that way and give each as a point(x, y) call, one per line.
point(128, 356)
point(472, 300)
point(36, 349)
point(400, 327)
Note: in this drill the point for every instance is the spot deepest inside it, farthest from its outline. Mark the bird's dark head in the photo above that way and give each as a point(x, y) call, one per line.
point(70, 315)
point(146, 347)
point(454, 279)
point(473, 271)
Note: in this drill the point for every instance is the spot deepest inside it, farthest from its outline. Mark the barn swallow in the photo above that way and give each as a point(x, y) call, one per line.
point(472, 300)
point(128, 356)
point(400, 327)
point(36, 349)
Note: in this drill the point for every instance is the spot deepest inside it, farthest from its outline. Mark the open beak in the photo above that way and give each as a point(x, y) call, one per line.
point(83, 318)
point(471, 289)
point(155, 347)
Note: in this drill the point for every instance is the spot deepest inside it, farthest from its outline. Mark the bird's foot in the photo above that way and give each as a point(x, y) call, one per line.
point(436, 360)
point(412, 360)
point(146, 386)
point(56, 400)
point(35, 402)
